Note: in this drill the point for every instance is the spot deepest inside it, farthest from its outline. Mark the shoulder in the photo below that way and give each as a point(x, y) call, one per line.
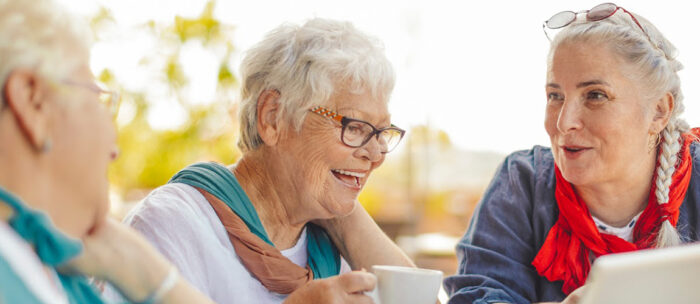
point(689, 220)
point(521, 192)
point(531, 169)
point(537, 158)
point(693, 189)
point(695, 156)
point(175, 211)
point(171, 201)
point(175, 193)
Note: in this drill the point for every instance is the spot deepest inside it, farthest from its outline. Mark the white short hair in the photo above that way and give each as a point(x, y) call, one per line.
point(40, 35)
point(654, 65)
point(307, 64)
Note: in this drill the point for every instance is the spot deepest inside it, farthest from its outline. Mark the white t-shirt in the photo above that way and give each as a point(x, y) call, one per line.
point(42, 281)
point(626, 232)
point(181, 224)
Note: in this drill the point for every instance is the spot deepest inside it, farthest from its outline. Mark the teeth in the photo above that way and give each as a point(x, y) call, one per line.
point(355, 174)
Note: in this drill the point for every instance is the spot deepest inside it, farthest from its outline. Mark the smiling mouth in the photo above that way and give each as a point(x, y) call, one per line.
point(349, 178)
point(573, 151)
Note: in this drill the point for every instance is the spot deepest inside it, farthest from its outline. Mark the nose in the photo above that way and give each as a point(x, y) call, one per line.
point(114, 153)
point(371, 150)
point(569, 118)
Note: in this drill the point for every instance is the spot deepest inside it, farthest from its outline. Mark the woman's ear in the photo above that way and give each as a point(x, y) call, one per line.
point(267, 124)
point(663, 108)
point(25, 94)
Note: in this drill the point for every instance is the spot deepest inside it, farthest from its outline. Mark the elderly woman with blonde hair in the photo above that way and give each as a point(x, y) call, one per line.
point(280, 224)
point(56, 140)
point(618, 177)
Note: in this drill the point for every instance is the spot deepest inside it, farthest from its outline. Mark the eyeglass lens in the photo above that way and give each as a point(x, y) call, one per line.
point(110, 100)
point(601, 11)
point(357, 133)
point(561, 19)
point(597, 13)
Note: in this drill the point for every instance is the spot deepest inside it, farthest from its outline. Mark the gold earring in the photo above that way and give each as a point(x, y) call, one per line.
point(654, 142)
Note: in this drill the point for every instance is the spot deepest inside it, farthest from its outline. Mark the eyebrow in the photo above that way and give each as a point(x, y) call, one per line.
point(592, 82)
point(581, 84)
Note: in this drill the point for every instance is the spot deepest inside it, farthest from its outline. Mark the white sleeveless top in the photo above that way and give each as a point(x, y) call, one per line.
point(183, 226)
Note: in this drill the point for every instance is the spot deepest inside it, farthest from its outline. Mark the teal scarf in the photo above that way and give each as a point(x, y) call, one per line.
point(52, 247)
point(324, 259)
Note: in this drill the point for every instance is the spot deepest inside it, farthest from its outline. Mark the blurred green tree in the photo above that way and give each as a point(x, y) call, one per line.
point(150, 156)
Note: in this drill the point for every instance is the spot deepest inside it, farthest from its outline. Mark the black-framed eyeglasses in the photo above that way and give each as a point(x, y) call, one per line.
point(108, 98)
point(597, 13)
point(356, 133)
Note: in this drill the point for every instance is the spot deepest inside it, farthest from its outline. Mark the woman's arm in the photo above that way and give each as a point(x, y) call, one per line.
point(496, 252)
point(362, 243)
point(119, 255)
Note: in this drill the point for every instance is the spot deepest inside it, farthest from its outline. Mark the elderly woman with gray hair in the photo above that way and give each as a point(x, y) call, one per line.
point(56, 141)
point(617, 178)
point(279, 224)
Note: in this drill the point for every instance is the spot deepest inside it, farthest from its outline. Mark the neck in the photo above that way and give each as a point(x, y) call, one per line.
point(280, 211)
point(617, 202)
point(21, 172)
point(26, 173)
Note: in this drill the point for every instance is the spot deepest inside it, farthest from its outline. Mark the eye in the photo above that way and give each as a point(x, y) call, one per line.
point(596, 95)
point(554, 96)
point(353, 128)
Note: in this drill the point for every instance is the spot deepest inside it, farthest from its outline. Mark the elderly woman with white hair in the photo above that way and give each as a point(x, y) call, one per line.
point(619, 176)
point(56, 141)
point(279, 224)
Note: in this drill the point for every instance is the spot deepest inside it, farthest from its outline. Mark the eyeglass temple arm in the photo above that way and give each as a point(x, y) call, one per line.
point(328, 113)
point(636, 21)
point(544, 29)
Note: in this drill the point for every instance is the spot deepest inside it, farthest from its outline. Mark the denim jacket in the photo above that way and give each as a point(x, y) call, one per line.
point(510, 225)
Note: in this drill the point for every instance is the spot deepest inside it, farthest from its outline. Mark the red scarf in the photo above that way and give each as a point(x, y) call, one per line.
point(565, 253)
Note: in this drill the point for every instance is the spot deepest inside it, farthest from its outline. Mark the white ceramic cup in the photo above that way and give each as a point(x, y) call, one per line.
point(405, 285)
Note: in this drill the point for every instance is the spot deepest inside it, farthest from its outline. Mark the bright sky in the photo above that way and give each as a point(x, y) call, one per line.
point(473, 69)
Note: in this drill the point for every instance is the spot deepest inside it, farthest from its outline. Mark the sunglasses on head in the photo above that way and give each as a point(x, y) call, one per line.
point(597, 13)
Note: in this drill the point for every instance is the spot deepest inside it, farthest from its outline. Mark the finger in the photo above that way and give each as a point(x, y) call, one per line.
point(357, 281)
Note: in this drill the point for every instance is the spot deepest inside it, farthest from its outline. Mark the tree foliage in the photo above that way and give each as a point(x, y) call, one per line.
point(150, 156)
